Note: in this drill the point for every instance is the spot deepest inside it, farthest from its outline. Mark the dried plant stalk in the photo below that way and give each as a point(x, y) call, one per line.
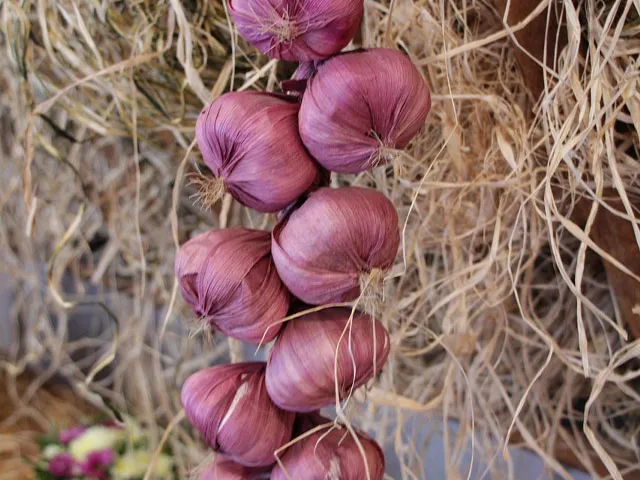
point(499, 312)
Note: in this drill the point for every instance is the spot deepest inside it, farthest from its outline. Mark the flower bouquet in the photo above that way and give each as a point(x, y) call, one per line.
point(104, 451)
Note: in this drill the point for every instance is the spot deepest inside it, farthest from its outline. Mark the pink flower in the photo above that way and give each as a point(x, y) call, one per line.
point(61, 465)
point(97, 464)
point(66, 436)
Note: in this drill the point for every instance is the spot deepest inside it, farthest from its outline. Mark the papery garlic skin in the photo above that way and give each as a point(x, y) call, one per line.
point(223, 468)
point(297, 30)
point(331, 455)
point(250, 141)
point(301, 372)
point(361, 107)
point(323, 248)
point(230, 407)
point(228, 277)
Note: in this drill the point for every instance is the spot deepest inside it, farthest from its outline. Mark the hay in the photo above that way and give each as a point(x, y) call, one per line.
point(26, 414)
point(499, 310)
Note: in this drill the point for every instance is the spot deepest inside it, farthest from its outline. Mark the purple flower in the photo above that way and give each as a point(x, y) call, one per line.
point(97, 464)
point(61, 465)
point(66, 436)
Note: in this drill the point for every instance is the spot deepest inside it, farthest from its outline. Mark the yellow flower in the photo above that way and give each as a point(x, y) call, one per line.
point(134, 432)
point(135, 464)
point(95, 438)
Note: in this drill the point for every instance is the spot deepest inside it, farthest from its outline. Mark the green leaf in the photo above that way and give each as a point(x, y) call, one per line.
point(47, 439)
point(42, 474)
point(141, 444)
point(120, 448)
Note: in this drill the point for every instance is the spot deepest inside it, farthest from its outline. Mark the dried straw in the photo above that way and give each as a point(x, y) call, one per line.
point(499, 310)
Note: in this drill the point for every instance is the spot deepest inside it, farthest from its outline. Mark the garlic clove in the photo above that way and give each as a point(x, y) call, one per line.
point(331, 454)
point(228, 277)
point(297, 30)
point(323, 249)
point(226, 403)
point(250, 141)
point(362, 108)
point(301, 373)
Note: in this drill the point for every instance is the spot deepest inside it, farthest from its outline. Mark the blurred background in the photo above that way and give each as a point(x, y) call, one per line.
point(514, 308)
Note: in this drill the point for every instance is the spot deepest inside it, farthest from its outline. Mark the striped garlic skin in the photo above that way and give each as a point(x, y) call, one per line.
point(250, 141)
point(323, 248)
point(228, 278)
point(331, 454)
point(297, 30)
point(303, 365)
point(230, 408)
point(362, 107)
